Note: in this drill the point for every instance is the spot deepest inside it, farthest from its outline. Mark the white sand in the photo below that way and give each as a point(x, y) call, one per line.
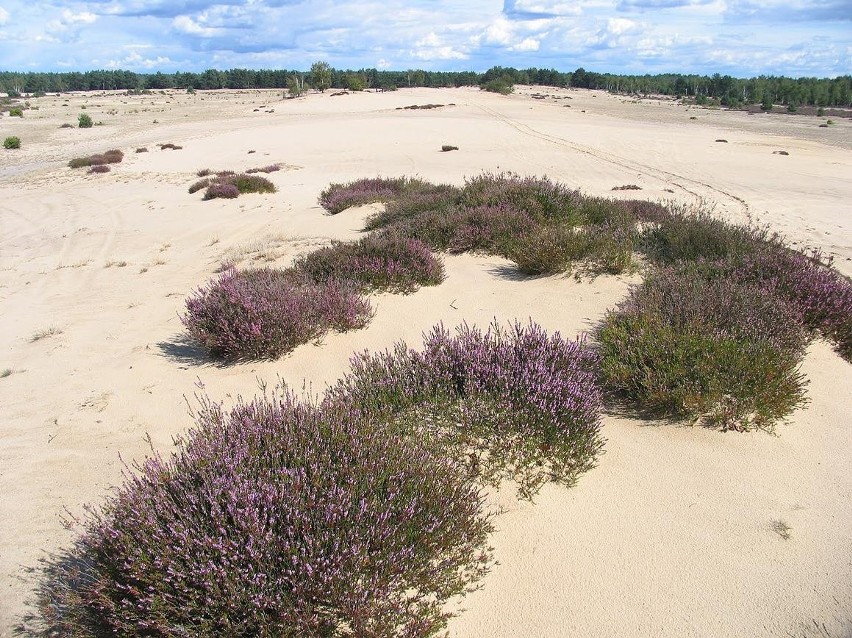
point(672, 534)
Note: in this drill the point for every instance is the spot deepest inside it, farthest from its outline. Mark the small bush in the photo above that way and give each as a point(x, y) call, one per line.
point(446, 147)
point(197, 186)
point(413, 201)
point(684, 346)
point(219, 190)
point(142, 150)
point(66, 125)
point(339, 197)
point(264, 169)
point(16, 111)
point(692, 235)
point(541, 198)
point(168, 146)
point(263, 314)
point(113, 156)
point(12, 142)
point(250, 183)
point(84, 120)
point(100, 168)
point(509, 403)
point(627, 187)
point(377, 262)
point(276, 519)
point(204, 172)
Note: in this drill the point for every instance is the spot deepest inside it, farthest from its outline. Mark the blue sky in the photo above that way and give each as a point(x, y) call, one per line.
point(737, 37)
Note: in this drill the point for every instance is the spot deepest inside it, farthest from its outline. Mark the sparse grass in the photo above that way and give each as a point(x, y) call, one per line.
point(7, 372)
point(627, 187)
point(781, 528)
point(117, 264)
point(38, 335)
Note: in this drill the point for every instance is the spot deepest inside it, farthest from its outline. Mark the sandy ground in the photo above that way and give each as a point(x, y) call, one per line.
point(673, 534)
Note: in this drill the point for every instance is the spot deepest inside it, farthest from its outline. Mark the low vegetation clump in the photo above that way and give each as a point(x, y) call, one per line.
point(16, 111)
point(229, 185)
point(272, 168)
point(12, 142)
point(448, 147)
point(339, 197)
point(99, 168)
point(265, 313)
point(113, 156)
point(278, 518)
point(541, 225)
point(682, 346)
point(168, 146)
point(84, 120)
point(377, 262)
point(509, 403)
point(142, 149)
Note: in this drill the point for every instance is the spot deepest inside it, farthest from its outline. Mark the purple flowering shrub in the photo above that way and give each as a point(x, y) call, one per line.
point(99, 168)
point(510, 403)
point(113, 156)
point(229, 185)
point(265, 313)
point(339, 197)
point(685, 346)
point(376, 262)
point(414, 202)
point(278, 518)
point(541, 198)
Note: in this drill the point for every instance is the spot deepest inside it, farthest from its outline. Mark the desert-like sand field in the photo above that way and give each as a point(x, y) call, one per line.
point(675, 533)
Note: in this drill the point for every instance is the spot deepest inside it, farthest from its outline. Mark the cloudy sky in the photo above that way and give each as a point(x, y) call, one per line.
point(738, 37)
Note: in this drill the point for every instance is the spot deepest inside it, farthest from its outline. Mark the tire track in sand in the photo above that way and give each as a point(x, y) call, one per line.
point(611, 158)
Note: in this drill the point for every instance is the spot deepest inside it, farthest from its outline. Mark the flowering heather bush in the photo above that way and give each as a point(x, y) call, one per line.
point(276, 519)
point(807, 282)
point(200, 184)
point(264, 169)
point(265, 313)
point(338, 197)
point(691, 236)
point(511, 403)
point(684, 346)
point(100, 168)
point(249, 183)
point(220, 190)
point(377, 262)
point(540, 198)
point(413, 202)
point(113, 156)
point(491, 229)
point(548, 250)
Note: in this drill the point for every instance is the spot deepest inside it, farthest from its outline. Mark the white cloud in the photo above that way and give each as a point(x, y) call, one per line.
point(187, 25)
point(84, 17)
point(620, 26)
point(527, 44)
point(383, 64)
point(4, 16)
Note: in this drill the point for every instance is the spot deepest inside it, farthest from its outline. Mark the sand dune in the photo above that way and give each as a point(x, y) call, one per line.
point(671, 535)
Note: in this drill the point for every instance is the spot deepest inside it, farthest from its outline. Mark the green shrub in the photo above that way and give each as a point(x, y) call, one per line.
point(683, 346)
point(12, 142)
point(16, 112)
point(502, 86)
point(84, 120)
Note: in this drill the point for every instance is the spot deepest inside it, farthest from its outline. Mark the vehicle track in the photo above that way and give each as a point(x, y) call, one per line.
point(675, 179)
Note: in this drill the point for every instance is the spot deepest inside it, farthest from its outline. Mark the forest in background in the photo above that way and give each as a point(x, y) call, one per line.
point(724, 89)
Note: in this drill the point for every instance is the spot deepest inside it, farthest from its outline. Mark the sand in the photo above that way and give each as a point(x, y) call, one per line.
point(675, 533)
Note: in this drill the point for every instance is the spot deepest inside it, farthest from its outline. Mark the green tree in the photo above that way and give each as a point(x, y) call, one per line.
point(321, 75)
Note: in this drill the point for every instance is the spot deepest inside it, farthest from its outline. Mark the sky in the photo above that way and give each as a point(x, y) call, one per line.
point(743, 38)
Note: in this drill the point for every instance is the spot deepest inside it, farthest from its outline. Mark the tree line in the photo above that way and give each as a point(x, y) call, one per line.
point(729, 91)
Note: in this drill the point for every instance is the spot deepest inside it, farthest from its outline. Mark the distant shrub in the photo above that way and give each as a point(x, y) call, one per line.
point(84, 120)
point(338, 197)
point(197, 186)
point(12, 142)
point(250, 183)
point(376, 262)
point(113, 156)
point(67, 125)
point(541, 198)
point(276, 519)
point(448, 147)
point(168, 146)
point(16, 111)
point(142, 150)
point(502, 86)
point(219, 190)
point(204, 172)
point(264, 169)
point(627, 187)
point(684, 346)
point(723, 141)
point(509, 403)
point(263, 314)
point(100, 168)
